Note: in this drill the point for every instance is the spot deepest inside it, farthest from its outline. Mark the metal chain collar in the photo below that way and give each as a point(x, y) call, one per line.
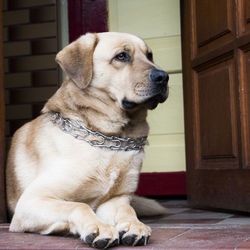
point(97, 139)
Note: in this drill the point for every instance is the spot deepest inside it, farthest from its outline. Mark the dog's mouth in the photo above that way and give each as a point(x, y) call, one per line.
point(151, 103)
point(155, 100)
point(128, 105)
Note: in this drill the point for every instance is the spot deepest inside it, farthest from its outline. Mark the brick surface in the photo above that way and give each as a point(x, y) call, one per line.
point(30, 46)
point(45, 77)
point(15, 4)
point(42, 46)
point(17, 80)
point(16, 17)
point(18, 112)
point(5, 34)
point(31, 95)
point(16, 48)
point(43, 14)
point(6, 65)
point(29, 63)
point(30, 31)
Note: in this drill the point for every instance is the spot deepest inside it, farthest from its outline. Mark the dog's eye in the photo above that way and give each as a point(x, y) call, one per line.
point(150, 56)
point(123, 57)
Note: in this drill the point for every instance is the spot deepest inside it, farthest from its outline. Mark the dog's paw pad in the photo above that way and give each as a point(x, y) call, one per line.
point(102, 243)
point(129, 240)
point(90, 238)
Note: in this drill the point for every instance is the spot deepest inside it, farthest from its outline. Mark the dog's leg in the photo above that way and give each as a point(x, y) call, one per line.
point(120, 214)
point(47, 215)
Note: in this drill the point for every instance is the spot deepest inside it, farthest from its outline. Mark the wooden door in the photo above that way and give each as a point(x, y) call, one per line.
point(216, 73)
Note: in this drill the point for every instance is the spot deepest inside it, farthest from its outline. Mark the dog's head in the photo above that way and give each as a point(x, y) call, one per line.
point(119, 64)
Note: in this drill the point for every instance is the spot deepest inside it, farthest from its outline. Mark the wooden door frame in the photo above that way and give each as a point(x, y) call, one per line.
point(187, 83)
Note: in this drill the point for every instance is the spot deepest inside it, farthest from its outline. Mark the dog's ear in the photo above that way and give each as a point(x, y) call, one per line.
point(76, 59)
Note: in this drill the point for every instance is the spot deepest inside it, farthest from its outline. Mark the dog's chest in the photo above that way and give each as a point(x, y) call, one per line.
point(96, 175)
point(114, 176)
point(117, 177)
point(111, 183)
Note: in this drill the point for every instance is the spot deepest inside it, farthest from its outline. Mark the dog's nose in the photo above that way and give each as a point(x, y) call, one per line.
point(159, 76)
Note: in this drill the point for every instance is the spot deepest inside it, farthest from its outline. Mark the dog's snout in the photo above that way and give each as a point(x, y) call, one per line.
point(159, 76)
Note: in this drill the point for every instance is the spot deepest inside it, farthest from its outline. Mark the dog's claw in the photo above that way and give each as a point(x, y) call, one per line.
point(121, 233)
point(114, 243)
point(102, 243)
point(90, 238)
point(129, 240)
point(141, 241)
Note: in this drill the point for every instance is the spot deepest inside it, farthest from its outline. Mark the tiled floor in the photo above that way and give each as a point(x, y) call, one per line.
point(182, 228)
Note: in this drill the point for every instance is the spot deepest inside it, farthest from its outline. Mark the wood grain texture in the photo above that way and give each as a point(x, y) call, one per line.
point(214, 23)
point(216, 102)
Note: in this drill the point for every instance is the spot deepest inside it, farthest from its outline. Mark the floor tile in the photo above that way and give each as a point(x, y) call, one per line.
point(244, 245)
point(182, 228)
point(184, 222)
point(173, 210)
point(236, 221)
point(36, 241)
point(208, 239)
point(175, 203)
point(197, 216)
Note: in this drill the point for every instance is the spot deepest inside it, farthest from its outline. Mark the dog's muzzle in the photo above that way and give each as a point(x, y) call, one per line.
point(156, 93)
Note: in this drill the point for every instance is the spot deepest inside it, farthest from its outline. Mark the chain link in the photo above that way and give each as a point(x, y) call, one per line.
point(79, 131)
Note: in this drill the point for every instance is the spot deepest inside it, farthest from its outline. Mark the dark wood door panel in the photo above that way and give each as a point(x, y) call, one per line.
point(214, 23)
point(228, 189)
point(244, 78)
point(216, 126)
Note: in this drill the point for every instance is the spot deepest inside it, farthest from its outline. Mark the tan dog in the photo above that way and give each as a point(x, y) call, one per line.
point(62, 176)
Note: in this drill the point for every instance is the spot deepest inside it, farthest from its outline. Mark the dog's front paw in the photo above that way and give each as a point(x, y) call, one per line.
point(101, 235)
point(133, 233)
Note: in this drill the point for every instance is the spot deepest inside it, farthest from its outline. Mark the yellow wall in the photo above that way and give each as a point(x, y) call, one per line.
point(158, 23)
